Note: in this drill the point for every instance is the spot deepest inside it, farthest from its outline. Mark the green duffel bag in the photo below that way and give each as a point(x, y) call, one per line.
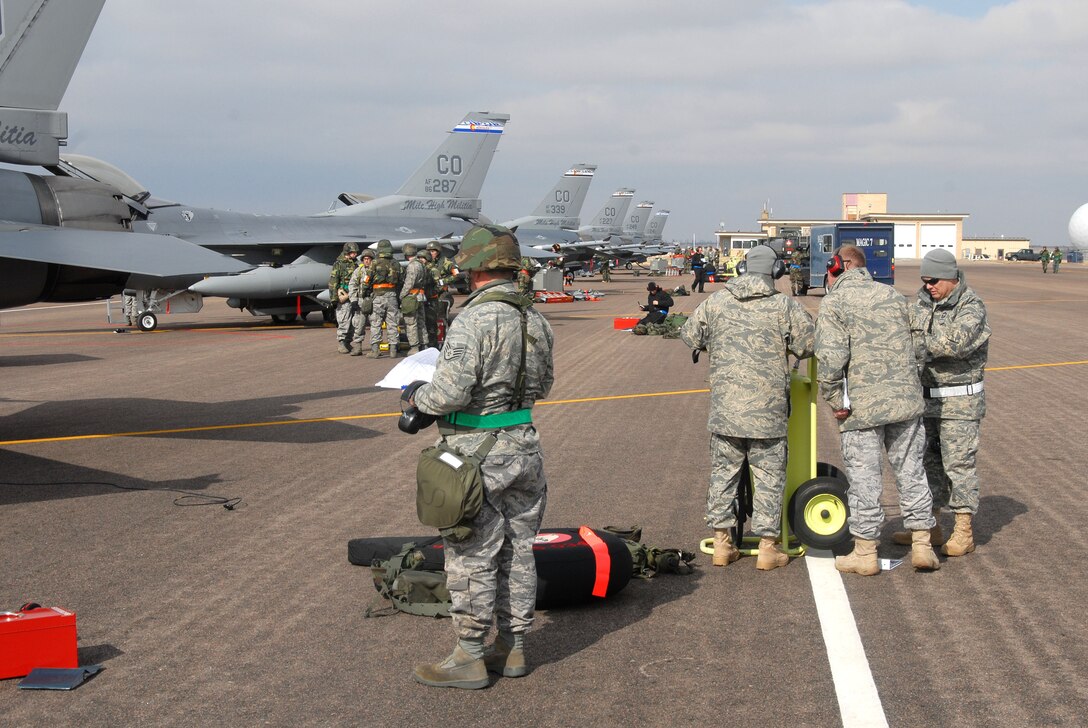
point(450, 488)
point(409, 305)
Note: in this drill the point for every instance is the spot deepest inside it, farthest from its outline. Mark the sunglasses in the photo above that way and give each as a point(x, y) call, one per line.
point(931, 281)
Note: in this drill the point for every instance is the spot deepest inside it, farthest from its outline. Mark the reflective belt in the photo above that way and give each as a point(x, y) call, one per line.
point(383, 285)
point(415, 291)
point(490, 422)
point(960, 391)
point(602, 559)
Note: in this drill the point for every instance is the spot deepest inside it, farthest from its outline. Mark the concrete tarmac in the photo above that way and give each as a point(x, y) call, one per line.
point(206, 616)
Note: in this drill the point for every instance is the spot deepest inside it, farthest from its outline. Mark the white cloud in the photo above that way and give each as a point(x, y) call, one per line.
point(708, 108)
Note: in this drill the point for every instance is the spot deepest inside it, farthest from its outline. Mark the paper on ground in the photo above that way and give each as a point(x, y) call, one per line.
point(413, 369)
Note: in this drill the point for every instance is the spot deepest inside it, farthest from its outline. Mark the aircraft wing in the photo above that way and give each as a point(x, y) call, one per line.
point(159, 256)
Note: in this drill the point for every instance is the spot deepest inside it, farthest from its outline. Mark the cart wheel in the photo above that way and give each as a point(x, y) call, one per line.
point(818, 512)
point(146, 321)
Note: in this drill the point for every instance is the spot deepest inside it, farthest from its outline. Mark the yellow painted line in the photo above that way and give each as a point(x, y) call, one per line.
point(111, 332)
point(1036, 366)
point(208, 428)
point(346, 418)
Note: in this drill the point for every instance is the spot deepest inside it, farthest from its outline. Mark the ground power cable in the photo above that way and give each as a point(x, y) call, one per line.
point(187, 498)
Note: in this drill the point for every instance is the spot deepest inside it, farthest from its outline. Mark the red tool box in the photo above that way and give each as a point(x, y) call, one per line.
point(36, 637)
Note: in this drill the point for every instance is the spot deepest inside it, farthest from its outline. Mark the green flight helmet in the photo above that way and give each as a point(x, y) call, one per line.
point(351, 247)
point(434, 245)
point(385, 249)
point(489, 247)
point(409, 251)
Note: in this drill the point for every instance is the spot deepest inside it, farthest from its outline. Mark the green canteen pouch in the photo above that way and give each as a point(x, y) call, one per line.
point(409, 305)
point(366, 305)
point(450, 488)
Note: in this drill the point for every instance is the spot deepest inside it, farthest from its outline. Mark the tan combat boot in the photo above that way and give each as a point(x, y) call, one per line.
point(375, 352)
point(725, 552)
point(356, 350)
point(342, 348)
point(770, 557)
point(505, 659)
point(459, 670)
point(922, 556)
point(862, 560)
point(936, 535)
point(962, 541)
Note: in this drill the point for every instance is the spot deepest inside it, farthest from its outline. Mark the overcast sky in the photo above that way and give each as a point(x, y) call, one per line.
point(710, 109)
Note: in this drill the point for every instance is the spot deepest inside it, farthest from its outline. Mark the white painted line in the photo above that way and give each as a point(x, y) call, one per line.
point(31, 309)
point(859, 702)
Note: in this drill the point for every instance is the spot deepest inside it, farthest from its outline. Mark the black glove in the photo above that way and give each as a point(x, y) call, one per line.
point(412, 420)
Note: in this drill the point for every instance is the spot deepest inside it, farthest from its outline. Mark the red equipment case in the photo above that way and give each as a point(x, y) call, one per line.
point(37, 637)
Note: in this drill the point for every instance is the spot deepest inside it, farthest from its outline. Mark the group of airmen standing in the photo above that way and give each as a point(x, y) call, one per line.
point(902, 378)
point(372, 289)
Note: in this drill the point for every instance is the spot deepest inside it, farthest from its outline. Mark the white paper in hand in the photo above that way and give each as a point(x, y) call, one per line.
point(415, 368)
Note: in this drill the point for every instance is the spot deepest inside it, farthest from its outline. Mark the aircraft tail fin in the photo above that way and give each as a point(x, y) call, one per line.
point(637, 219)
point(656, 225)
point(615, 209)
point(458, 167)
point(41, 42)
point(566, 198)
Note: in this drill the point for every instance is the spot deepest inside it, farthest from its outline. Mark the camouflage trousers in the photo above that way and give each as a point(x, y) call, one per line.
point(359, 322)
point(767, 459)
point(491, 576)
point(415, 327)
point(345, 330)
point(863, 455)
point(951, 448)
point(430, 322)
point(386, 308)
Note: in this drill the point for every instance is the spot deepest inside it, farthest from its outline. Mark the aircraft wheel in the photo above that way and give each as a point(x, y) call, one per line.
point(147, 321)
point(627, 266)
point(818, 513)
point(284, 318)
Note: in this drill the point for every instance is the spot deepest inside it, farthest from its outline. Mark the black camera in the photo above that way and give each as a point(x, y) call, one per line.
point(411, 419)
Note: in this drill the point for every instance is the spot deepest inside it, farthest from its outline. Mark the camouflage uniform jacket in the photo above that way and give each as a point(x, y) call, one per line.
point(443, 272)
point(956, 337)
point(340, 276)
point(748, 327)
point(478, 370)
point(864, 349)
point(416, 278)
point(525, 278)
point(355, 284)
point(381, 271)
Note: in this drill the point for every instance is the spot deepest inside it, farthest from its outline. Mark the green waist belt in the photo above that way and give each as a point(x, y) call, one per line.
point(490, 422)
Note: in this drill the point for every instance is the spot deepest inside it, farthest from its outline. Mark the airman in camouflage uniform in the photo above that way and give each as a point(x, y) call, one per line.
point(749, 328)
point(525, 278)
point(1044, 258)
point(443, 271)
point(417, 284)
point(362, 306)
point(382, 281)
point(491, 576)
point(606, 271)
point(339, 280)
point(1056, 258)
point(949, 321)
point(868, 373)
